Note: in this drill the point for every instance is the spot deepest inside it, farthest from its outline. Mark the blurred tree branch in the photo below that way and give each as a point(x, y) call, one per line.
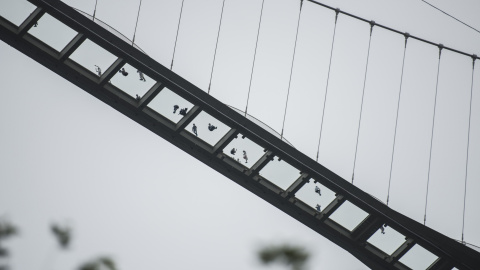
point(98, 264)
point(293, 256)
point(62, 235)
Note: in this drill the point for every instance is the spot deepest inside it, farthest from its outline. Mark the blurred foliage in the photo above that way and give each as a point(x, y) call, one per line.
point(98, 264)
point(293, 256)
point(7, 229)
point(62, 235)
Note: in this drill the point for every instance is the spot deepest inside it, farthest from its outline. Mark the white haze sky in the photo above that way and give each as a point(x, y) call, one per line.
point(67, 157)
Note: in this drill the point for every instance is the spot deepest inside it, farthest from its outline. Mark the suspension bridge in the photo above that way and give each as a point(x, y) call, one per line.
point(104, 63)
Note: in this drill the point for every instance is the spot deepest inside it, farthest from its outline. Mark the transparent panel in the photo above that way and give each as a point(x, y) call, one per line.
point(109, 28)
point(207, 128)
point(387, 239)
point(315, 193)
point(132, 81)
point(16, 11)
point(93, 57)
point(54, 33)
point(349, 215)
point(170, 105)
point(244, 151)
point(280, 173)
point(418, 258)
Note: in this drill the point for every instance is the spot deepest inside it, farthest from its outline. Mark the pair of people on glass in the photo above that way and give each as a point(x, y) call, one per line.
point(181, 112)
point(234, 150)
point(195, 130)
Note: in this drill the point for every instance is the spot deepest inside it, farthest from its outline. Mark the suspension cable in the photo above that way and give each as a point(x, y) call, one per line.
point(450, 16)
point(337, 11)
point(216, 45)
point(468, 147)
point(291, 68)
point(176, 37)
point(396, 118)
point(136, 24)
point(440, 47)
point(254, 57)
point(372, 23)
point(95, 10)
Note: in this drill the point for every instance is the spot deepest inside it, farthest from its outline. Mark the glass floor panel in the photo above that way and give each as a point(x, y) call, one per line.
point(387, 240)
point(349, 215)
point(418, 258)
point(200, 126)
point(16, 11)
point(129, 80)
point(52, 32)
point(93, 57)
point(164, 103)
point(312, 196)
point(244, 151)
point(280, 173)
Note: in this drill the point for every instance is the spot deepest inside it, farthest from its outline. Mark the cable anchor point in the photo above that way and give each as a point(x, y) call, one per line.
point(406, 35)
point(337, 11)
point(372, 24)
point(440, 47)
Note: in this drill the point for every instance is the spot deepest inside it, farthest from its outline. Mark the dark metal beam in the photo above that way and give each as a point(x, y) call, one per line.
point(225, 140)
point(111, 71)
point(72, 46)
point(297, 185)
point(404, 248)
point(150, 95)
point(187, 118)
point(30, 21)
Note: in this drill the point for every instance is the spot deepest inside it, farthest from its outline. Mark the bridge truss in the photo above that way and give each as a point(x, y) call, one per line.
point(449, 253)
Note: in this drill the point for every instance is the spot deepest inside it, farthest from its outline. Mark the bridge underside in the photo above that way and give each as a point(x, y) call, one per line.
point(215, 152)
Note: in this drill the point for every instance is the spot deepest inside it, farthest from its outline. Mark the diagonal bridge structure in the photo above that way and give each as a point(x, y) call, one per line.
point(216, 152)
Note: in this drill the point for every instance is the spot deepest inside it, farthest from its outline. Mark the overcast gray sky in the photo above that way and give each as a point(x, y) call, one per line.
point(127, 193)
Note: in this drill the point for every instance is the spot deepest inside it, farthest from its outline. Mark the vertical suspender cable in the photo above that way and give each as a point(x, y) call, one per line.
point(396, 118)
point(216, 45)
point(474, 57)
point(328, 78)
point(136, 24)
point(95, 10)
point(176, 37)
point(291, 68)
point(440, 47)
point(372, 23)
point(254, 57)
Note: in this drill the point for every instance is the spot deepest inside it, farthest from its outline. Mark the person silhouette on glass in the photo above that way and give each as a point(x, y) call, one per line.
point(245, 156)
point(98, 70)
point(318, 208)
point(123, 71)
point(317, 190)
point(211, 127)
point(175, 108)
point(183, 111)
point(194, 129)
point(233, 151)
point(141, 76)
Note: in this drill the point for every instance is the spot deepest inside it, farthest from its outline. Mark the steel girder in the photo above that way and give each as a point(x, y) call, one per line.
point(450, 253)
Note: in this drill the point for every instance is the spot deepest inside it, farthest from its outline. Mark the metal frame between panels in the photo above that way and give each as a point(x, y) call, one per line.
point(450, 253)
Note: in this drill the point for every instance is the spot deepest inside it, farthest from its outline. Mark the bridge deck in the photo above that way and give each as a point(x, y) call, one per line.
point(350, 217)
